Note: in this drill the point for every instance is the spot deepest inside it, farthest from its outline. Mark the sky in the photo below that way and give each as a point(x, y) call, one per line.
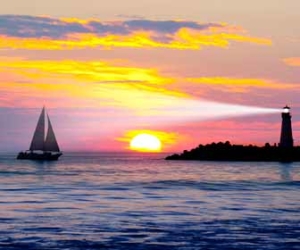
point(109, 70)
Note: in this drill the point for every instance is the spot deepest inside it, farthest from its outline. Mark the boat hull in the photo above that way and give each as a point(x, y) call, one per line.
point(45, 156)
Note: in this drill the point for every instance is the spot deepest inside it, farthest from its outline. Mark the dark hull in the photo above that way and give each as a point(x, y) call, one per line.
point(46, 156)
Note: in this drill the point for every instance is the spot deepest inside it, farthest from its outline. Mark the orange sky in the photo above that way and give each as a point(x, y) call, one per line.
point(107, 75)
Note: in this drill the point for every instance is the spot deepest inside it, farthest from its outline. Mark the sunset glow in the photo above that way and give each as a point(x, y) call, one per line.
point(145, 143)
point(153, 124)
point(108, 76)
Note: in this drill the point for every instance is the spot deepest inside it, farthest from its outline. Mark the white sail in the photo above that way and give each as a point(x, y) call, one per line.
point(38, 139)
point(51, 143)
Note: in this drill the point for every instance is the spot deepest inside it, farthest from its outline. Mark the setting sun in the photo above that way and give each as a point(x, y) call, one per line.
point(145, 143)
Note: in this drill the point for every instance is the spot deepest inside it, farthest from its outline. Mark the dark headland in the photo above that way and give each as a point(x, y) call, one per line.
point(285, 151)
point(227, 152)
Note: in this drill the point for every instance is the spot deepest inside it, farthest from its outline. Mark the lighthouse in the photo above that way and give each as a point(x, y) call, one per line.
point(286, 137)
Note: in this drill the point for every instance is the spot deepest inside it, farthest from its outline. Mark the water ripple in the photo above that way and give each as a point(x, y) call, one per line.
point(130, 202)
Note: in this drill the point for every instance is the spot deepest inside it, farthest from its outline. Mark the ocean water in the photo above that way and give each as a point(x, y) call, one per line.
point(139, 201)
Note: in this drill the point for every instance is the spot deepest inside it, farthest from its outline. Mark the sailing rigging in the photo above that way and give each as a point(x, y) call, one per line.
point(42, 148)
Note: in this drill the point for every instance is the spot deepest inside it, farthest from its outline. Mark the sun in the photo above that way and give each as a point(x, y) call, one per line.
point(145, 143)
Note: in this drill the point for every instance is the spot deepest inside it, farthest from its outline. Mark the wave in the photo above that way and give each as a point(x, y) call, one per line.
point(217, 186)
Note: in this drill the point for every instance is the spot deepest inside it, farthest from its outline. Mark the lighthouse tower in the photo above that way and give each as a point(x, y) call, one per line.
point(286, 138)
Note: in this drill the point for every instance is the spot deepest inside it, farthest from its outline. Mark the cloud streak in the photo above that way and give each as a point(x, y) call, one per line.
point(32, 26)
point(292, 61)
point(46, 33)
point(103, 83)
point(240, 84)
point(82, 83)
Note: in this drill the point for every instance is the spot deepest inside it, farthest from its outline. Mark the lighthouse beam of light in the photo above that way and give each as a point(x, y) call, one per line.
point(163, 110)
point(183, 110)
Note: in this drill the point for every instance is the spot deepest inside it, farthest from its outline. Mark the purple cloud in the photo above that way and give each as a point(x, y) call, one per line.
point(55, 28)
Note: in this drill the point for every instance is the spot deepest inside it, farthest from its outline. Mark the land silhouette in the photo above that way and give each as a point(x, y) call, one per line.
point(224, 151)
point(285, 151)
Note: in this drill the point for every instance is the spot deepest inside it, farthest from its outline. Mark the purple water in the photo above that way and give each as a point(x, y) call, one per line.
point(133, 201)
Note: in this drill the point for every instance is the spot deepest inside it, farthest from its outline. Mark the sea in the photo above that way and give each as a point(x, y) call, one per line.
point(125, 201)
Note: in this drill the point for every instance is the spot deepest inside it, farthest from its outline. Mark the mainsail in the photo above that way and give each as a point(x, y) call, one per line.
point(38, 139)
point(51, 143)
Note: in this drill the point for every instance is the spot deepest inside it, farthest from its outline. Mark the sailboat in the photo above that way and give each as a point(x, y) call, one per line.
point(41, 148)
